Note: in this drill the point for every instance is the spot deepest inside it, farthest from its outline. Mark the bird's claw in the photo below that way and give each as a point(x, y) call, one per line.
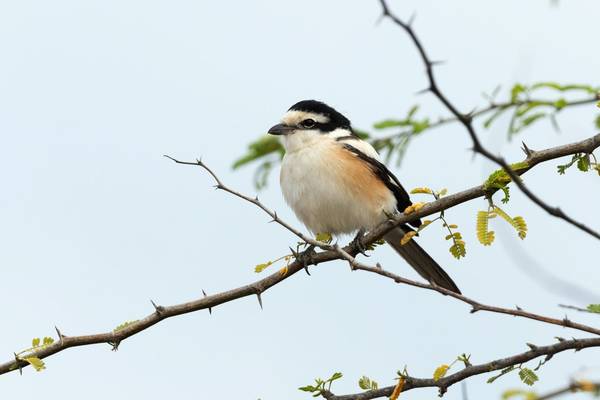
point(358, 243)
point(305, 257)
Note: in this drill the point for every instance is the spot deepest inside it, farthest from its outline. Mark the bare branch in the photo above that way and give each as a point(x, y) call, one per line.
point(209, 302)
point(467, 119)
point(444, 383)
point(256, 202)
point(476, 306)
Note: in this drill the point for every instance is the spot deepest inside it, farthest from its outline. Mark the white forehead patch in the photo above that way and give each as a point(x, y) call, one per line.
point(294, 117)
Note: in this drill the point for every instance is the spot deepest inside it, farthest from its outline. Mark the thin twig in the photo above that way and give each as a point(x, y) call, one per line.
point(493, 106)
point(467, 119)
point(255, 201)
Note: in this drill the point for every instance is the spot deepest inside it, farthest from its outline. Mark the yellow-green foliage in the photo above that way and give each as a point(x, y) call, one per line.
point(524, 394)
point(366, 383)
point(457, 249)
point(485, 236)
point(407, 237)
point(124, 325)
point(517, 222)
point(261, 267)
point(324, 237)
point(28, 354)
point(440, 372)
point(500, 178)
point(527, 376)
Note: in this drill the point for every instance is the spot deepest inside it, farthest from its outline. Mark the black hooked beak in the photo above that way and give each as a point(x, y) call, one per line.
point(281, 129)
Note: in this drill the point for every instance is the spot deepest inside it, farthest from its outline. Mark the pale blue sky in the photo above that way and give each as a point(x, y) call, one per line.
point(94, 222)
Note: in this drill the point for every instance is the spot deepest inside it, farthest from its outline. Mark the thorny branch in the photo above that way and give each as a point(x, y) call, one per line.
point(491, 107)
point(476, 306)
point(330, 253)
point(444, 383)
point(467, 121)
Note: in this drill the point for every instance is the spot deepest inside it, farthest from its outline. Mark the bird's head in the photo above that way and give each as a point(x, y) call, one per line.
point(308, 122)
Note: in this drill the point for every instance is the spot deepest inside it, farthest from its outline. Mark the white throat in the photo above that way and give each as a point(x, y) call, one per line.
point(305, 139)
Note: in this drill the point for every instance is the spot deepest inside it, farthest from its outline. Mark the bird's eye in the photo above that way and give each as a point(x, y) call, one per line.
point(308, 123)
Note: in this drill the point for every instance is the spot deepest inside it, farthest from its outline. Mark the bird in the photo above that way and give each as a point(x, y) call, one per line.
point(336, 183)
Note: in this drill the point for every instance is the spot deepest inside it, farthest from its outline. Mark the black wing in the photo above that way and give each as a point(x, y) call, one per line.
point(388, 178)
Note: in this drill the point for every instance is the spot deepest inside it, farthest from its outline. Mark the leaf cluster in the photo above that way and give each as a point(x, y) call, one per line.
point(27, 354)
point(406, 129)
point(536, 102)
point(527, 375)
point(443, 369)
point(124, 325)
point(583, 161)
point(457, 249)
point(366, 383)
point(268, 150)
point(499, 179)
point(487, 237)
point(321, 385)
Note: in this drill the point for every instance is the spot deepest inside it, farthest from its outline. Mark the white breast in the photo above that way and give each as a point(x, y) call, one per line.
point(318, 182)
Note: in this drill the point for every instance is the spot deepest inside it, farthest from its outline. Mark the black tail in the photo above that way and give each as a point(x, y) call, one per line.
point(420, 260)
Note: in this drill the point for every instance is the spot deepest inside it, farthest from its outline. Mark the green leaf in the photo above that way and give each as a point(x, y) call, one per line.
point(35, 363)
point(560, 103)
point(525, 394)
point(516, 90)
point(488, 122)
point(564, 88)
point(308, 388)
point(364, 383)
point(440, 372)
point(361, 134)
point(48, 341)
point(335, 376)
point(562, 168)
point(527, 376)
point(261, 267)
point(595, 308)
point(391, 123)
point(500, 178)
point(324, 237)
point(525, 108)
point(35, 342)
point(502, 373)
point(420, 126)
point(598, 121)
point(413, 110)
point(124, 325)
point(583, 164)
point(458, 249)
point(261, 147)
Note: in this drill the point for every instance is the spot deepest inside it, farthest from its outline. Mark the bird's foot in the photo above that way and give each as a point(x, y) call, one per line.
point(305, 257)
point(358, 243)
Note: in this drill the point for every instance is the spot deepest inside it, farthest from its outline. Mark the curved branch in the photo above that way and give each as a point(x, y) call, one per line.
point(467, 119)
point(476, 306)
point(444, 383)
point(257, 288)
